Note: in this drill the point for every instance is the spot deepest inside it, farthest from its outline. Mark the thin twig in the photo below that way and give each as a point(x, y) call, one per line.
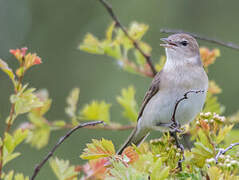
point(202, 37)
point(175, 125)
point(113, 127)
point(223, 151)
point(60, 141)
point(135, 43)
point(185, 96)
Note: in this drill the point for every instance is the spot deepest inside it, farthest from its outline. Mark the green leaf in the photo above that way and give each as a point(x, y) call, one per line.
point(10, 157)
point(9, 176)
point(212, 104)
point(25, 101)
point(222, 133)
point(214, 173)
point(38, 136)
point(200, 154)
point(62, 169)
point(137, 30)
point(72, 101)
point(91, 45)
point(121, 172)
point(128, 102)
point(59, 123)
point(109, 31)
point(20, 176)
point(98, 149)
point(112, 50)
point(7, 70)
point(96, 111)
point(159, 172)
point(11, 142)
point(43, 96)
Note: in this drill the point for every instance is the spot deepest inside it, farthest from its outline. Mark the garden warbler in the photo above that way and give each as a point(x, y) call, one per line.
point(182, 72)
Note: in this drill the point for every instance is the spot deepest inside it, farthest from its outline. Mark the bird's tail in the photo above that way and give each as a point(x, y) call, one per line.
point(136, 137)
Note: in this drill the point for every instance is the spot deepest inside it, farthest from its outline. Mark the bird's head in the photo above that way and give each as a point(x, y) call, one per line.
point(181, 46)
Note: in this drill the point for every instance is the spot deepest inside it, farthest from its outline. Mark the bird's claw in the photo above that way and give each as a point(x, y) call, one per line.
point(175, 127)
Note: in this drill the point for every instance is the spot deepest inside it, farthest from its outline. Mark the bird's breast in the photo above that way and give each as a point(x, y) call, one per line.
point(173, 86)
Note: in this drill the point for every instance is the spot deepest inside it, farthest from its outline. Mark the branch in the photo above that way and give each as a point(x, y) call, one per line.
point(175, 126)
point(185, 96)
point(108, 7)
point(112, 126)
point(223, 151)
point(202, 37)
point(60, 141)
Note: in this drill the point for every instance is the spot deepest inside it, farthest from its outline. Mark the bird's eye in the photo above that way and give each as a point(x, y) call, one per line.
point(184, 43)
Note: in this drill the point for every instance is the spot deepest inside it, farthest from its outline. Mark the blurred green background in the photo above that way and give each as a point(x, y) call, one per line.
point(55, 28)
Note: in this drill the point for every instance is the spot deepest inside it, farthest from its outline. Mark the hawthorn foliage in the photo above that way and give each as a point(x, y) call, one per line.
point(156, 159)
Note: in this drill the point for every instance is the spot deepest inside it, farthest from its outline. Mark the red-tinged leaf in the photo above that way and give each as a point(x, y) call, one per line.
point(19, 53)
point(204, 125)
point(98, 167)
point(131, 154)
point(209, 56)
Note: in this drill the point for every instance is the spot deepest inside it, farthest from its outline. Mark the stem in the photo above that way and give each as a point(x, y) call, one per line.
point(11, 115)
point(223, 151)
point(60, 141)
point(108, 7)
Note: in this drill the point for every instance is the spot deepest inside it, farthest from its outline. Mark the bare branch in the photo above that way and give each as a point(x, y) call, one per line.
point(60, 141)
point(223, 151)
point(175, 125)
point(112, 126)
point(180, 100)
point(202, 37)
point(108, 7)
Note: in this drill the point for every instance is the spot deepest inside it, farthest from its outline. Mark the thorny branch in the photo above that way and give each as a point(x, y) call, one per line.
point(223, 151)
point(135, 43)
point(60, 141)
point(202, 37)
point(175, 125)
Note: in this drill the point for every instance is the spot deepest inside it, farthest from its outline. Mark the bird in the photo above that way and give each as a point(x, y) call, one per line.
point(183, 72)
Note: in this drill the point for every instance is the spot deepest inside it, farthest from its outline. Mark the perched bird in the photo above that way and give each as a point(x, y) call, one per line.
point(182, 72)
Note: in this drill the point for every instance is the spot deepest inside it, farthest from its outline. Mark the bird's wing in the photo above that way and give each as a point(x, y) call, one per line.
point(153, 89)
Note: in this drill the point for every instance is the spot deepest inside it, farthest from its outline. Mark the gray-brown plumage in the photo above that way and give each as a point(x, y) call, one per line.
point(182, 72)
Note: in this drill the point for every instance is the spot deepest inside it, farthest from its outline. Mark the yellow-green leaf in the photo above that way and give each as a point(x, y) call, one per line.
point(212, 104)
point(159, 172)
point(109, 31)
point(222, 133)
point(25, 101)
point(39, 135)
point(98, 149)
point(62, 169)
point(214, 173)
point(128, 102)
point(137, 30)
point(72, 101)
point(7, 70)
point(96, 111)
point(91, 45)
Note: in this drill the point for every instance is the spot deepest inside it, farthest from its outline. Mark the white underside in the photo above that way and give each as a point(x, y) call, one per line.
point(160, 108)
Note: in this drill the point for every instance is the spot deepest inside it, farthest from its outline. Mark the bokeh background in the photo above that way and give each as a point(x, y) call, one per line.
point(54, 30)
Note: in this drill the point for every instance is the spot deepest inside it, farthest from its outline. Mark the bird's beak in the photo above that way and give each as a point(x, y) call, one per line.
point(168, 43)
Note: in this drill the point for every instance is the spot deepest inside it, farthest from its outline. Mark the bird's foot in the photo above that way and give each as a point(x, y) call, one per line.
point(175, 127)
